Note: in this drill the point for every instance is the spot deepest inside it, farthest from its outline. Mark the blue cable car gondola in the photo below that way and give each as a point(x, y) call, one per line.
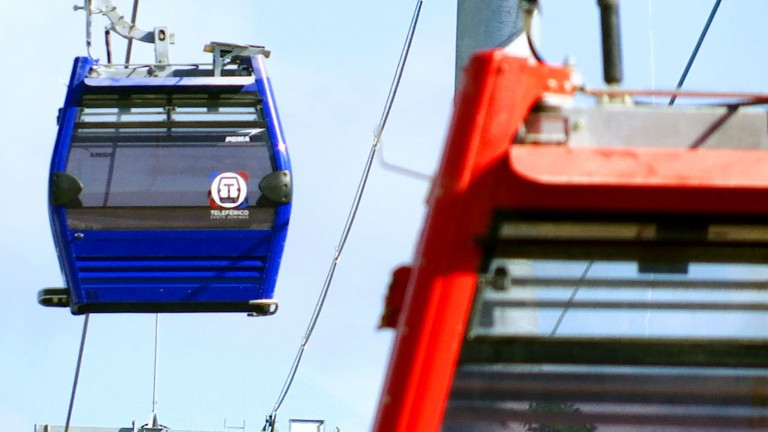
point(170, 187)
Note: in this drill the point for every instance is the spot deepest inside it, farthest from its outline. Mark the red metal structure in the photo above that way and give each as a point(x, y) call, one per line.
point(526, 177)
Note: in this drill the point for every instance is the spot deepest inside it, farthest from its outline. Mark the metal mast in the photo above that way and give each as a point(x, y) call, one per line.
point(486, 24)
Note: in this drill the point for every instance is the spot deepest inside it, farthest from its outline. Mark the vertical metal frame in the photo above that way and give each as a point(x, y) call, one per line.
point(282, 162)
point(496, 95)
point(483, 172)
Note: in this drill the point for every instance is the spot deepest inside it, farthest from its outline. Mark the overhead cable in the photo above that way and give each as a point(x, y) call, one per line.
point(134, 17)
point(696, 49)
point(271, 418)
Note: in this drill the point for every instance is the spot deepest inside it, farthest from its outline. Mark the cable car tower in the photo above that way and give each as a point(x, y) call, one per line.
point(170, 185)
point(595, 267)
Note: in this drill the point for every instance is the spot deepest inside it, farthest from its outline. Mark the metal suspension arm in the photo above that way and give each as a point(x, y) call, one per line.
point(122, 26)
point(160, 37)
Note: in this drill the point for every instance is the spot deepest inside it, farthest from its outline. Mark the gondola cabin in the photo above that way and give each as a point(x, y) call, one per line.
point(170, 187)
point(585, 267)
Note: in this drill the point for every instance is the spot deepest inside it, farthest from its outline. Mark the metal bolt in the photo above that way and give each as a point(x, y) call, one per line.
point(577, 125)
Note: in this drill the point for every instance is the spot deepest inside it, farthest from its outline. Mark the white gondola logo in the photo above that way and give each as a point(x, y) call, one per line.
point(236, 138)
point(245, 137)
point(229, 190)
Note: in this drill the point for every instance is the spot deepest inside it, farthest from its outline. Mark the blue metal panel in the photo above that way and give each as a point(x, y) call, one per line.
point(219, 82)
point(66, 122)
point(168, 270)
point(280, 228)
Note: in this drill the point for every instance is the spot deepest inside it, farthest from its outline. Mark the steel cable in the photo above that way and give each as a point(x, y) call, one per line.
point(696, 49)
point(271, 418)
point(77, 373)
point(134, 17)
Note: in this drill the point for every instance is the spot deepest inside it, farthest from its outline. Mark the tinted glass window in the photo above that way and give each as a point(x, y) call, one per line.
point(164, 168)
point(616, 326)
point(131, 161)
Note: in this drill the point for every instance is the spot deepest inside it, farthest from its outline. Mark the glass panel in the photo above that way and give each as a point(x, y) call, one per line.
point(135, 176)
point(159, 168)
point(615, 298)
point(546, 398)
point(610, 330)
point(161, 113)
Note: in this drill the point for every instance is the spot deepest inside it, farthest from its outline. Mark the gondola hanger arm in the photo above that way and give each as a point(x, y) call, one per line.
point(160, 36)
point(122, 26)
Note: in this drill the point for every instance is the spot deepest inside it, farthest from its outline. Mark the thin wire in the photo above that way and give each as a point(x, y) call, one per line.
point(77, 373)
point(575, 291)
point(134, 17)
point(717, 124)
point(154, 365)
point(350, 218)
point(696, 49)
point(652, 49)
point(88, 21)
point(647, 320)
point(653, 100)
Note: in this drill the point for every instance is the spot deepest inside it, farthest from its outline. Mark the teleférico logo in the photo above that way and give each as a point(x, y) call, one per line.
point(229, 195)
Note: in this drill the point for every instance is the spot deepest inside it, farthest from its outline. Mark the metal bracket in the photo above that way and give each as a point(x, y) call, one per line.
point(53, 297)
point(160, 36)
point(277, 186)
point(262, 308)
point(227, 53)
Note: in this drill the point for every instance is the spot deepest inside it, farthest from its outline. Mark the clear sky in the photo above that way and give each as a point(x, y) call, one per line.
point(331, 67)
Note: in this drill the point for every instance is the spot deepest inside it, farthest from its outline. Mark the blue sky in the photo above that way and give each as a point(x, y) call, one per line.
point(331, 67)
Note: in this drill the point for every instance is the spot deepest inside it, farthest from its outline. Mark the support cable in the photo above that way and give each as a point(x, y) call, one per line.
point(696, 49)
point(575, 291)
point(128, 49)
point(652, 49)
point(271, 418)
point(154, 365)
point(77, 373)
point(696, 144)
point(647, 320)
point(108, 43)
